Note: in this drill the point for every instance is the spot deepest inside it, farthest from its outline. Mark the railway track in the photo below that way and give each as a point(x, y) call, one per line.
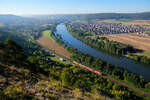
point(114, 80)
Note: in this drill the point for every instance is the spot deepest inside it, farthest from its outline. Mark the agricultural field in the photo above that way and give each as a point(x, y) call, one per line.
point(47, 41)
point(128, 22)
point(137, 22)
point(139, 42)
point(47, 33)
point(114, 21)
point(144, 23)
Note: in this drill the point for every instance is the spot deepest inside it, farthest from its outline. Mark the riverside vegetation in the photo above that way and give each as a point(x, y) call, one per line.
point(104, 67)
point(111, 47)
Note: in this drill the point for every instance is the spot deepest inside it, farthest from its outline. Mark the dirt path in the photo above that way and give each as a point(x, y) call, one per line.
point(129, 86)
point(52, 45)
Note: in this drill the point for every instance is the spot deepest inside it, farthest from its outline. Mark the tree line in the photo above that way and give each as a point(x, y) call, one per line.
point(141, 59)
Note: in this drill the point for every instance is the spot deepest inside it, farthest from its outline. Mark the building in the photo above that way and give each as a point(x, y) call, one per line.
point(145, 33)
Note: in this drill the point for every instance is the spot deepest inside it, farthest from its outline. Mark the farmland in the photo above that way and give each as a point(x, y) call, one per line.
point(128, 22)
point(47, 33)
point(47, 41)
point(139, 42)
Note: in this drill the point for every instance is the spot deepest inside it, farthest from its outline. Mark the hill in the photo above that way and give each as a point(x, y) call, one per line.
point(35, 77)
point(103, 16)
point(62, 17)
point(13, 19)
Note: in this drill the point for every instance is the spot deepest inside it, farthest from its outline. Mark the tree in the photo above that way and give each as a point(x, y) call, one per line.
point(12, 53)
point(147, 85)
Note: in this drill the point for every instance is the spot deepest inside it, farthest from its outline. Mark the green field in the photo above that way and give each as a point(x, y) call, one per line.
point(48, 33)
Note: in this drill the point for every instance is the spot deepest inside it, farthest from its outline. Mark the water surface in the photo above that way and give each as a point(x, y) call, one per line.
point(120, 62)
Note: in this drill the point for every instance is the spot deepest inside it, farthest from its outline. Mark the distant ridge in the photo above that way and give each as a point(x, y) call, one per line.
point(14, 19)
point(9, 18)
point(102, 16)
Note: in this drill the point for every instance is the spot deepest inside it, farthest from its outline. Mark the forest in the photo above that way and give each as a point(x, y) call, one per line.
point(108, 69)
point(70, 76)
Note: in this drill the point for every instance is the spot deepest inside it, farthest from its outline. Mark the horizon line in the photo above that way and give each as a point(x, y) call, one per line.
point(71, 13)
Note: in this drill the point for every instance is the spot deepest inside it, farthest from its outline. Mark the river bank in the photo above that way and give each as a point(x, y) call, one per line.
point(78, 56)
point(120, 62)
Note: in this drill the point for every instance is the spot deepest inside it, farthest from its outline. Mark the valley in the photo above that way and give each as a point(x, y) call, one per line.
point(41, 53)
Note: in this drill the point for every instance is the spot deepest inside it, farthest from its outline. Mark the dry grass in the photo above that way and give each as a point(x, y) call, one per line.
point(52, 45)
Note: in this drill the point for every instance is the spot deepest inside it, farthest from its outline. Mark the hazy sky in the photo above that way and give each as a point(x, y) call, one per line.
point(72, 6)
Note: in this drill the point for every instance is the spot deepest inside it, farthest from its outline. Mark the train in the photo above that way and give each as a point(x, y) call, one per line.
point(85, 67)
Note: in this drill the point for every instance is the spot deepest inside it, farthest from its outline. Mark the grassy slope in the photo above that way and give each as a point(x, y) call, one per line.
point(21, 83)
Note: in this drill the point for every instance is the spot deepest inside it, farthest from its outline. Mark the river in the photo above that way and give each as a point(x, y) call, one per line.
point(120, 62)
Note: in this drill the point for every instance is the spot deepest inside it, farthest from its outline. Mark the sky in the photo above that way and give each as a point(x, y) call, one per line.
point(33, 7)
